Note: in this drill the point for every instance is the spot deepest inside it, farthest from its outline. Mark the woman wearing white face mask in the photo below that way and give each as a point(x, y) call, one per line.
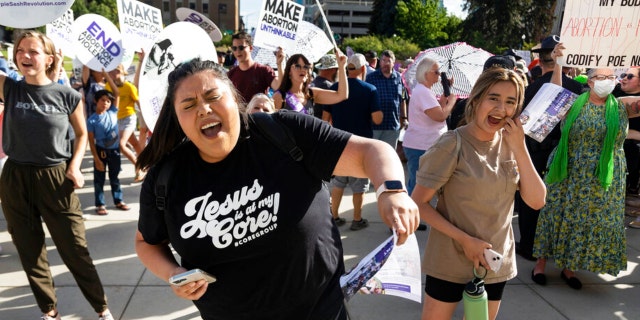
point(581, 227)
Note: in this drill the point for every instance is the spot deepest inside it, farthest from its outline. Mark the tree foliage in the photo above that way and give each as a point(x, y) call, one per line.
point(105, 8)
point(498, 24)
point(402, 48)
point(425, 23)
point(383, 18)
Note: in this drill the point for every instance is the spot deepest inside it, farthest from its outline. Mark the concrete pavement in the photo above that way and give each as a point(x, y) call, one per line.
point(135, 293)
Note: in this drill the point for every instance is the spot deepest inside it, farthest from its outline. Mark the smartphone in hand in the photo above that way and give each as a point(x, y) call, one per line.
point(494, 259)
point(446, 85)
point(191, 276)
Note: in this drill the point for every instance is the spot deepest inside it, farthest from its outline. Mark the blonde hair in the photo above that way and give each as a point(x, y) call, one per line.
point(424, 66)
point(258, 98)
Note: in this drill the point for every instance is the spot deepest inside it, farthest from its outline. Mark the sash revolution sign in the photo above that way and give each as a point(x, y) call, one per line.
point(601, 34)
point(31, 14)
point(195, 17)
point(278, 25)
point(59, 31)
point(98, 43)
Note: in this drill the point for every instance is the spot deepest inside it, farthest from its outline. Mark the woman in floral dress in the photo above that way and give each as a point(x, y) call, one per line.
point(581, 227)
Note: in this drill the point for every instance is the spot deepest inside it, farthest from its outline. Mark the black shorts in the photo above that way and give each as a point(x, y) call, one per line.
point(446, 291)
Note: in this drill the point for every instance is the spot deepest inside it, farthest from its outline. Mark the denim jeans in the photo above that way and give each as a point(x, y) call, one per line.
point(112, 163)
point(413, 161)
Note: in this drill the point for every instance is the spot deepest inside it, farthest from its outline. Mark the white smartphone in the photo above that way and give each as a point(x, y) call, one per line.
point(191, 276)
point(494, 259)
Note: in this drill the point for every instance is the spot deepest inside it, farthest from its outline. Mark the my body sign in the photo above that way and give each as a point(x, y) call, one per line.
point(278, 25)
point(98, 42)
point(599, 34)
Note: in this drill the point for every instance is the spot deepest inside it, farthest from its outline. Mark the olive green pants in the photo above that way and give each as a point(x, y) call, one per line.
point(29, 194)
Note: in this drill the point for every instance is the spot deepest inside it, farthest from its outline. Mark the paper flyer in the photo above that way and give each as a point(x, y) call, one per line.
point(388, 269)
point(547, 108)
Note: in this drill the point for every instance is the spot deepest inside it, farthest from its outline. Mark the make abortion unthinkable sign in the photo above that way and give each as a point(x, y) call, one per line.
point(278, 24)
point(98, 42)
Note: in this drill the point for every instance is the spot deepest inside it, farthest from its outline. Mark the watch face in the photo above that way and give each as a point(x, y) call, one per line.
point(393, 185)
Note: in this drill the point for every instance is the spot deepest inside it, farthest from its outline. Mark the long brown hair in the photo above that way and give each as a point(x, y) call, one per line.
point(486, 80)
point(286, 83)
point(167, 134)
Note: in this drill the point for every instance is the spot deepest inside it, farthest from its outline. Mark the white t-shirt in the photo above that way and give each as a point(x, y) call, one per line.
point(423, 131)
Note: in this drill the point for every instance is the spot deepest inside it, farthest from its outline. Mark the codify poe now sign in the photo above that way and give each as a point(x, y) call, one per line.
point(278, 24)
point(98, 42)
point(601, 33)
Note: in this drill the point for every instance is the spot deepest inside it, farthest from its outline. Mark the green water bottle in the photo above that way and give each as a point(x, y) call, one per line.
point(474, 300)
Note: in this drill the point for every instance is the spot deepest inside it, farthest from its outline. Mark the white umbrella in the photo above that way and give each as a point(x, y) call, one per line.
point(462, 62)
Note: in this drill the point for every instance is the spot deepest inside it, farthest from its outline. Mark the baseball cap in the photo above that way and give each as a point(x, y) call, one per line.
point(511, 52)
point(357, 60)
point(502, 61)
point(328, 61)
point(370, 54)
point(521, 66)
point(548, 43)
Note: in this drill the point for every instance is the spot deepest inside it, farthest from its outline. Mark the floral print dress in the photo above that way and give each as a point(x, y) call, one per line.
point(581, 226)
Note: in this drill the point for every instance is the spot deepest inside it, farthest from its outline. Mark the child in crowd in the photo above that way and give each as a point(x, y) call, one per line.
point(103, 141)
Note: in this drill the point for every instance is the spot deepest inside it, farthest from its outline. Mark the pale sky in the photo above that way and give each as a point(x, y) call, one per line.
point(250, 9)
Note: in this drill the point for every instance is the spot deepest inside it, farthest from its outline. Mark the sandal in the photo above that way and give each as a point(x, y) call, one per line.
point(123, 206)
point(101, 211)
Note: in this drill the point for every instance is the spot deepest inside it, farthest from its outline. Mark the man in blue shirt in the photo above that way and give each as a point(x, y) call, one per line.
point(357, 114)
point(392, 99)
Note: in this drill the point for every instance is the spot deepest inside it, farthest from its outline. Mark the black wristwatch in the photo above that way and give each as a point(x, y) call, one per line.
point(390, 186)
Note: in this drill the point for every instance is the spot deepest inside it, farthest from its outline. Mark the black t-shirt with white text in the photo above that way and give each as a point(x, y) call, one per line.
point(257, 220)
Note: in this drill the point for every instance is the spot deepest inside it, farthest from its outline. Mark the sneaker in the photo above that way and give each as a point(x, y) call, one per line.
point(632, 202)
point(339, 221)
point(48, 317)
point(357, 225)
point(106, 316)
point(633, 224)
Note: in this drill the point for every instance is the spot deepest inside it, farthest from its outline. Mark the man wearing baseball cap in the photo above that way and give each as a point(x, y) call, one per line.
point(327, 70)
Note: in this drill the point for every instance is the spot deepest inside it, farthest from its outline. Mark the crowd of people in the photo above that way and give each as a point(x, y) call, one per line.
point(280, 209)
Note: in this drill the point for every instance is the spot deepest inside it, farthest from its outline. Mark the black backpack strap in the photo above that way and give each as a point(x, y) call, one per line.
point(277, 133)
point(162, 182)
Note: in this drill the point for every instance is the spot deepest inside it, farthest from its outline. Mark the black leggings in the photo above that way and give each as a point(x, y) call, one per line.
point(446, 291)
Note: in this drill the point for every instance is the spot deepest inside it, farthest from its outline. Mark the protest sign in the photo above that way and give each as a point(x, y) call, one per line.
point(172, 47)
point(59, 31)
point(388, 269)
point(601, 34)
point(195, 17)
point(310, 41)
point(140, 24)
point(278, 25)
point(31, 14)
point(98, 43)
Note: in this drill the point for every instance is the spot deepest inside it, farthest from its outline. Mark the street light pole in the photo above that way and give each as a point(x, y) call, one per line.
point(522, 45)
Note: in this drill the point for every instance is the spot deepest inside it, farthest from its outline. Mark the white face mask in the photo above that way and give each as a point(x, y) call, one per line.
point(602, 88)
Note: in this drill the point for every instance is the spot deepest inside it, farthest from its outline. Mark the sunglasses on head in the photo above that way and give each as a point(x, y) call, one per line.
point(299, 67)
point(629, 76)
point(351, 68)
point(234, 48)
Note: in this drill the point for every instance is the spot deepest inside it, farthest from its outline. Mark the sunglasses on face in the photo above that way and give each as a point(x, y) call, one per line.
point(629, 76)
point(299, 67)
point(603, 77)
point(240, 48)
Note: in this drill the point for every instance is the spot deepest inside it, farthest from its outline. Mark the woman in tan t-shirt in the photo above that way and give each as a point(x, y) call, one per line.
point(476, 170)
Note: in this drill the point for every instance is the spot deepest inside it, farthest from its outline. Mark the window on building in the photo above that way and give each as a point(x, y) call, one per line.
point(165, 6)
point(192, 4)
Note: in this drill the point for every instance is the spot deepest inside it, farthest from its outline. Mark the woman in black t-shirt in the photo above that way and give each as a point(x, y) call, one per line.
point(244, 211)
